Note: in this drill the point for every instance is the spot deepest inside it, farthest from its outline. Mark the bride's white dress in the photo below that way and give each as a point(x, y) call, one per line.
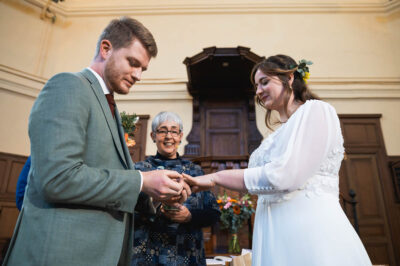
point(299, 220)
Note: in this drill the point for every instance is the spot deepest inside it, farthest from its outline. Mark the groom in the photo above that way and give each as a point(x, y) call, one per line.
point(82, 188)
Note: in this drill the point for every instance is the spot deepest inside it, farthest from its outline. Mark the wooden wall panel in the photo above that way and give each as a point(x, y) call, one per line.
point(362, 176)
point(225, 132)
point(360, 134)
point(365, 171)
point(15, 170)
point(10, 168)
point(8, 218)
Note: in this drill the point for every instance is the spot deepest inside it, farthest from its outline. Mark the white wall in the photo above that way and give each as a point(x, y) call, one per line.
point(354, 47)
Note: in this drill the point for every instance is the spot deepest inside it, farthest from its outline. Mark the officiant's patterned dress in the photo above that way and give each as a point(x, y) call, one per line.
point(158, 240)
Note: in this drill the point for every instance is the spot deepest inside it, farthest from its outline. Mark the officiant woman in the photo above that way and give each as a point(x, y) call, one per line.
point(174, 235)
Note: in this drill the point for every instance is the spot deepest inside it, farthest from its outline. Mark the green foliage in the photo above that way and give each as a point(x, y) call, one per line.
point(129, 122)
point(303, 67)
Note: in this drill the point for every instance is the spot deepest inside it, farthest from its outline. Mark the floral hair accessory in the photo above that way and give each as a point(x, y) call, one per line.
point(303, 69)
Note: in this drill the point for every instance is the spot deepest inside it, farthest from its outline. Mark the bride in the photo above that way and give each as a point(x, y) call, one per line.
point(294, 171)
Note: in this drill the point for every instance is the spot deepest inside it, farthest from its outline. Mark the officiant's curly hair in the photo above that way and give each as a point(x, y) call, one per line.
point(122, 31)
point(282, 66)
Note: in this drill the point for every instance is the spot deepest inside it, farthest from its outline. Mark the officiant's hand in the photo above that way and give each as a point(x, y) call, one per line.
point(200, 183)
point(180, 215)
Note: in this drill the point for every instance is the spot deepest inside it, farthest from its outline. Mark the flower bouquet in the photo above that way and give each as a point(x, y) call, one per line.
point(233, 213)
point(129, 124)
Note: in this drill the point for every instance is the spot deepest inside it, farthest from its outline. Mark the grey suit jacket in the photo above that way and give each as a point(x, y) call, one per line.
point(82, 190)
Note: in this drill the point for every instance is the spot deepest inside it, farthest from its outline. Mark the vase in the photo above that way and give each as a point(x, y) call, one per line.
point(234, 244)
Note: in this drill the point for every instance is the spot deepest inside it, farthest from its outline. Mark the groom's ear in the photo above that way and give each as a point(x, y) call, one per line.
point(105, 49)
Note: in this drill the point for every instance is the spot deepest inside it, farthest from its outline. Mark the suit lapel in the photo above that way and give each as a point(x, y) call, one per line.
point(94, 83)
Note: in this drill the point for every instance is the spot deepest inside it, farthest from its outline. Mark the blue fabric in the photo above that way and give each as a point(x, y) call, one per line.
point(158, 240)
point(21, 184)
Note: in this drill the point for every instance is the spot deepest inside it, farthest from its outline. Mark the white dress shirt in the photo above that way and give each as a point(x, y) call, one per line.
point(107, 91)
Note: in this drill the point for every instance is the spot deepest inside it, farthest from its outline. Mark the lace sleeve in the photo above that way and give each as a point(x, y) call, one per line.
point(302, 147)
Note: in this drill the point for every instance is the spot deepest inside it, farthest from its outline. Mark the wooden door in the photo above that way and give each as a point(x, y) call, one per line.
point(363, 171)
point(225, 129)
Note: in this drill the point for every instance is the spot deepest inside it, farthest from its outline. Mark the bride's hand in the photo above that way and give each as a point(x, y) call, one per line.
point(200, 183)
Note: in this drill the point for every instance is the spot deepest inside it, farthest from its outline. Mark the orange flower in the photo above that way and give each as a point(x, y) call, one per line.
point(220, 207)
point(236, 209)
point(233, 200)
point(219, 201)
point(130, 142)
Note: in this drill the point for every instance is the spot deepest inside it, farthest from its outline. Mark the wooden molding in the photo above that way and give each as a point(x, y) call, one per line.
point(20, 82)
point(30, 85)
point(27, 84)
point(118, 8)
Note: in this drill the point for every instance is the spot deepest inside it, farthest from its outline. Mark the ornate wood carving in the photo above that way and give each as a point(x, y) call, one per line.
point(223, 102)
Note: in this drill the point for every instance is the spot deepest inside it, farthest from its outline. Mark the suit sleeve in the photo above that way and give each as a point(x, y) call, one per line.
point(58, 129)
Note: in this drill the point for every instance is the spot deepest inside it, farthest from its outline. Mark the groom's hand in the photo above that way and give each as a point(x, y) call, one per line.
point(164, 185)
point(186, 192)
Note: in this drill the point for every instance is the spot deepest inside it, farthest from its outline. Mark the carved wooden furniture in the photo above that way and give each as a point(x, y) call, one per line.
point(223, 102)
point(224, 129)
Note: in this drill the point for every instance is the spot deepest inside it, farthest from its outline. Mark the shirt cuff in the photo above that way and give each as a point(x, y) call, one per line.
point(141, 181)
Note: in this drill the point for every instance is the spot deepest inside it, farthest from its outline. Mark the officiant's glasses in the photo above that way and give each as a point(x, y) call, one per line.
point(163, 132)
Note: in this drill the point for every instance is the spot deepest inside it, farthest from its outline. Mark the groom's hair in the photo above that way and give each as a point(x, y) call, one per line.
point(122, 31)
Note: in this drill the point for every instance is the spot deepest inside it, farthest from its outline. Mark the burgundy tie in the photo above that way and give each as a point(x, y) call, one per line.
point(111, 103)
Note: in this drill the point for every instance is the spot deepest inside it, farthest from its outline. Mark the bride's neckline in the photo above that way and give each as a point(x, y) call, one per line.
point(283, 124)
point(299, 105)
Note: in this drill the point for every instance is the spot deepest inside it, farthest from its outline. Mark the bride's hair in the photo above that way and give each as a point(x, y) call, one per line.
point(282, 66)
